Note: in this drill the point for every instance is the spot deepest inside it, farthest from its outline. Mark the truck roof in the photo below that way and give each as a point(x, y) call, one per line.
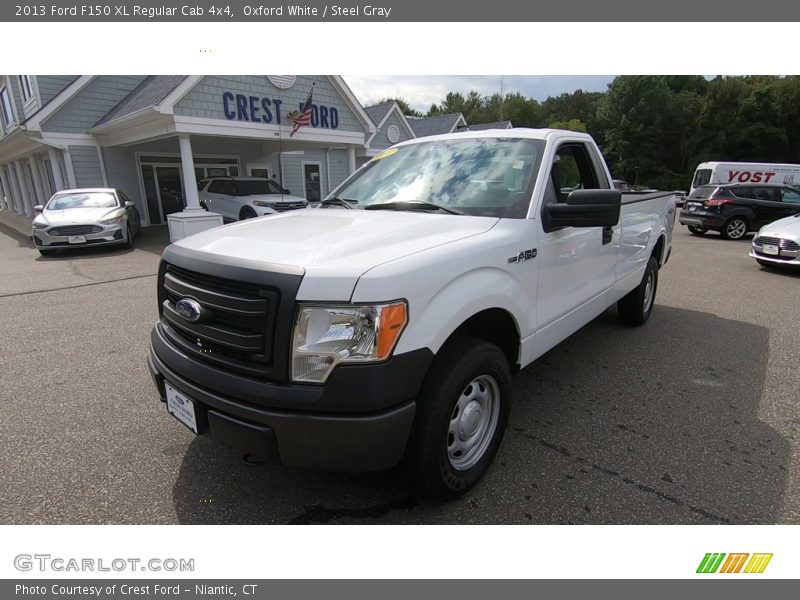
point(516, 132)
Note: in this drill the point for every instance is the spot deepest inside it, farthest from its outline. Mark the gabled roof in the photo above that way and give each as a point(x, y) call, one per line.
point(436, 125)
point(148, 93)
point(378, 112)
point(495, 125)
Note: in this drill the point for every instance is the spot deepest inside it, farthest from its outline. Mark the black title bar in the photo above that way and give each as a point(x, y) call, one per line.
point(383, 11)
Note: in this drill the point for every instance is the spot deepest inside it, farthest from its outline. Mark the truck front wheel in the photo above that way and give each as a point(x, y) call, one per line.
point(461, 416)
point(635, 308)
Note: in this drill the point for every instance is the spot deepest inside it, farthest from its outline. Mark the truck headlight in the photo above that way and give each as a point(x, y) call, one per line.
point(325, 336)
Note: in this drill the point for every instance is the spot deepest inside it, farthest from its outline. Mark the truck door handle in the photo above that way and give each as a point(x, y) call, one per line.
point(608, 233)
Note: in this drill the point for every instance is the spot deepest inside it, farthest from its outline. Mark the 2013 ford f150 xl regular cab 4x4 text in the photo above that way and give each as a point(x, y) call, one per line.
point(385, 324)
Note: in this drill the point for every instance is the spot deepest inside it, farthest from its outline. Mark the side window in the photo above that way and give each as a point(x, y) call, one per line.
point(701, 177)
point(790, 196)
point(122, 198)
point(743, 192)
point(222, 186)
point(572, 170)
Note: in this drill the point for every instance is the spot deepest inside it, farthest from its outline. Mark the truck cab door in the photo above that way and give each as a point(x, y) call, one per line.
point(577, 268)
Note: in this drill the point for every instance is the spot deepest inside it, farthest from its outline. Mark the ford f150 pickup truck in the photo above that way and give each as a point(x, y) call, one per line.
point(385, 325)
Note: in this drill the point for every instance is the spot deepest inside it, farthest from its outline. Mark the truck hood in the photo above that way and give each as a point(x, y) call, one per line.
point(333, 246)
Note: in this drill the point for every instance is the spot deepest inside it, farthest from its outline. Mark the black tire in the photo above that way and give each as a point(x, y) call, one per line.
point(464, 374)
point(735, 228)
point(247, 213)
point(697, 230)
point(129, 243)
point(636, 307)
point(46, 252)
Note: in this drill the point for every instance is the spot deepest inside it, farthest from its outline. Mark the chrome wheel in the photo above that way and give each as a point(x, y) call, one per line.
point(473, 422)
point(736, 229)
point(649, 292)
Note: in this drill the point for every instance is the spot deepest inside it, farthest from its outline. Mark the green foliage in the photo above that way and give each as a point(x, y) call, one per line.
point(655, 129)
point(571, 125)
point(404, 106)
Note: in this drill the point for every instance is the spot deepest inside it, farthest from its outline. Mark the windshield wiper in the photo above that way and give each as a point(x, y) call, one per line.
point(413, 205)
point(346, 202)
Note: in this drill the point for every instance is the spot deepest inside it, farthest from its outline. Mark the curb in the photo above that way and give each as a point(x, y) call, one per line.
point(18, 223)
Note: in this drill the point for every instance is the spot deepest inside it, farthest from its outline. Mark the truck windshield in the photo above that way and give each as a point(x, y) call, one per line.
point(476, 176)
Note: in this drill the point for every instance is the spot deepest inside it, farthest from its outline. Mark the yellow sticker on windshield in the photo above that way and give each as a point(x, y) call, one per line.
point(384, 154)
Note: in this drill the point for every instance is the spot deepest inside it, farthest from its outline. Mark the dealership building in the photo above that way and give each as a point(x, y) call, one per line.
point(154, 137)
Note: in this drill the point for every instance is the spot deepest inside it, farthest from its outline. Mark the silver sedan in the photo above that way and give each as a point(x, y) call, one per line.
point(778, 244)
point(85, 217)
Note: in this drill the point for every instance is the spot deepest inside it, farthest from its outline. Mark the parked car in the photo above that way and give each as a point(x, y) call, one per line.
point(778, 244)
point(237, 198)
point(622, 185)
point(393, 328)
point(83, 217)
point(736, 209)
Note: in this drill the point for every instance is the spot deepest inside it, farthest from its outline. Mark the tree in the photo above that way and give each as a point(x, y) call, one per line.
point(571, 125)
point(404, 106)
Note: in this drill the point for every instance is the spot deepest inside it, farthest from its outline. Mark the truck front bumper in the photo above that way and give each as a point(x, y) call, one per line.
point(333, 440)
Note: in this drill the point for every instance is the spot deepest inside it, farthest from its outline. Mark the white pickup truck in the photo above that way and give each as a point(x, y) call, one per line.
point(384, 326)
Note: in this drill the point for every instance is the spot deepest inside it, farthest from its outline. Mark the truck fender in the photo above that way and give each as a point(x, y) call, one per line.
point(453, 304)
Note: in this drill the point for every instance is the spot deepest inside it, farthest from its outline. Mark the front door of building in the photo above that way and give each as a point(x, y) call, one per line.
point(163, 187)
point(312, 181)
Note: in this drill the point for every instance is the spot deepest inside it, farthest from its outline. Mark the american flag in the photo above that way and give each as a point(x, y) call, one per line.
point(302, 118)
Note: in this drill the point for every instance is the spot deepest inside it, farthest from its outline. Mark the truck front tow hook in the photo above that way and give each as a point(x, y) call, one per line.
point(251, 461)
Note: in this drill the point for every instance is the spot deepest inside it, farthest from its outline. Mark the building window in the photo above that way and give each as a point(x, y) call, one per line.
point(26, 88)
point(393, 133)
point(5, 104)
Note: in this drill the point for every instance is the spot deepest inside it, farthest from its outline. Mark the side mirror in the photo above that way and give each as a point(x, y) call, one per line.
point(585, 208)
point(129, 204)
point(38, 208)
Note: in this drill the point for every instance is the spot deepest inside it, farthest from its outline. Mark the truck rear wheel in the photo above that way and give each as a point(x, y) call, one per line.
point(462, 413)
point(635, 308)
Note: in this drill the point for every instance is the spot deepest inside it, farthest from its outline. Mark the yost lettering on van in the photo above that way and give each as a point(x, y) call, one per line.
point(713, 173)
point(750, 176)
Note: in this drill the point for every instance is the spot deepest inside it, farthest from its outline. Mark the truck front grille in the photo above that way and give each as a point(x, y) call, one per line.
point(238, 318)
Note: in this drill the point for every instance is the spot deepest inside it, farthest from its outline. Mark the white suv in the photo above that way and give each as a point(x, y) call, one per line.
point(237, 198)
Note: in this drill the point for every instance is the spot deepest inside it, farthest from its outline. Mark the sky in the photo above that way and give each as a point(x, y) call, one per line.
point(423, 90)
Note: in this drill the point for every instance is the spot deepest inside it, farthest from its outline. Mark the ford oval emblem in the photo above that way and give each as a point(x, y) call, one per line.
point(189, 309)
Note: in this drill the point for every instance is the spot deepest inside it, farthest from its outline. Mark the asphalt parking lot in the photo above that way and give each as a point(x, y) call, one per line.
point(692, 419)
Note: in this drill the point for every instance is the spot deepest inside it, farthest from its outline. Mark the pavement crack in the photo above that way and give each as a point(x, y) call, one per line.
point(73, 287)
point(319, 515)
point(628, 481)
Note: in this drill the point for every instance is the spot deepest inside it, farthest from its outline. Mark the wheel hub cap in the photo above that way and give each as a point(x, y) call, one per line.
point(470, 420)
point(473, 422)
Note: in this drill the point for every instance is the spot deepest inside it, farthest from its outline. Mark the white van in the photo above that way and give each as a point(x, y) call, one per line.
point(743, 172)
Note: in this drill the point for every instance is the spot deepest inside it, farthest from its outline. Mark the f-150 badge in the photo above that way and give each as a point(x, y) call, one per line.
point(523, 256)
